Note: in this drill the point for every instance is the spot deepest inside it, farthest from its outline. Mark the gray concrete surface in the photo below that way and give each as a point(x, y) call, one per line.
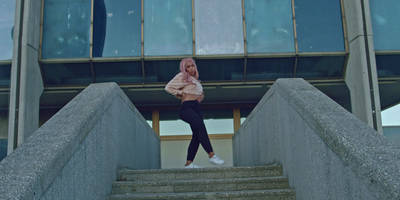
point(360, 76)
point(326, 152)
point(76, 154)
point(26, 78)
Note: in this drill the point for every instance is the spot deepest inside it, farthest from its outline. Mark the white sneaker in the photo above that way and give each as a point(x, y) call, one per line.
point(192, 166)
point(216, 160)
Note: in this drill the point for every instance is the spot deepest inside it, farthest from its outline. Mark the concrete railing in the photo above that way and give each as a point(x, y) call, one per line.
point(76, 154)
point(326, 152)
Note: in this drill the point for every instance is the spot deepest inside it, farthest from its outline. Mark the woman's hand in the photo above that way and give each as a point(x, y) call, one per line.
point(200, 97)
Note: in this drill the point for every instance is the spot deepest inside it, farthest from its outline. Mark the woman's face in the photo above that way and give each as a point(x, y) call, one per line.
point(190, 68)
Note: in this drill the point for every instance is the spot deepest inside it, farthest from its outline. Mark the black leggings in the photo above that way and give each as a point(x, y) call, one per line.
point(190, 112)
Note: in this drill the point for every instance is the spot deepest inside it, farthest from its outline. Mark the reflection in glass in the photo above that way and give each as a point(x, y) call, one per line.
point(168, 27)
point(7, 9)
point(269, 68)
point(161, 71)
point(220, 70)
point(320, 67)
point(117, 28)
point(269, 26)
point(385, 21)
point(217, 121)
point(67, 74)
point(319, 25)
point(219, 27)
point(5, 75)
point(119, 72)
point(388, 65)
point(66, 29)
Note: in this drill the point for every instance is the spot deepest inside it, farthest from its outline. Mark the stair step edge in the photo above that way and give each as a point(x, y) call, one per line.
point(202, 181)
point(254, 194)
point(203, 173)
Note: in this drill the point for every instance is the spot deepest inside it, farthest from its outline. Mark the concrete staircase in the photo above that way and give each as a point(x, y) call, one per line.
point(264, 182)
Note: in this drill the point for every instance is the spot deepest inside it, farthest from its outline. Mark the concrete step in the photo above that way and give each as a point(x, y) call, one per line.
point(264, 182)
point(200, 185)
point(200, 173)
point(284, 194)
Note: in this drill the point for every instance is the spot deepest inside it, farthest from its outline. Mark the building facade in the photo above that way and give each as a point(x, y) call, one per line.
point(50, 50)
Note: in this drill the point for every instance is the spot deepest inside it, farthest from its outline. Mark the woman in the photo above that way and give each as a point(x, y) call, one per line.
point(187, 87)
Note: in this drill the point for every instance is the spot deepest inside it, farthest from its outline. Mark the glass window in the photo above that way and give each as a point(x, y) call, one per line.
point(7, 9)
point(386, 24)
point(388, 65)
point(217, 121)
point(161, 71)
point(67, 74)
point(269, 26)
point(269, 68)
point(392, 133)
point(168, 27)
point(5, 75)
point(119, 72)
point(171, 124)
point(219, 27)
point(319, 25)
point(217, 70)
point(320, 67)
point(117, 28)
point(66, 29)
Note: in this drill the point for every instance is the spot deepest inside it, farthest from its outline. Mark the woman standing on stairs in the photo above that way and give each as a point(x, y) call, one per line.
point(186, 86)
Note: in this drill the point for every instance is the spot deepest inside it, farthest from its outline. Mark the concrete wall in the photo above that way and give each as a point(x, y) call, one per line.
point(76, 153)
point(361, 76)
point(26, 79)
point(326, 152)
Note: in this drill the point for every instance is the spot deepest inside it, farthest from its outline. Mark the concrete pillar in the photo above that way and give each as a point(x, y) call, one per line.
point(26, 79)
point(361, 76)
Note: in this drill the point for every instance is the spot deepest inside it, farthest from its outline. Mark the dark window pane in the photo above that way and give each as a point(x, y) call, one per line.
point(3, 148)
point(147, 114)
point(320, 67)
point(117, 28)
point(385, 21)
point(319, 25)
point(119, 72)
point(161, 71)
point(67, 74)
point(220, 70)
point(66, 29)
point(5, 74)
point(269, 26)
point(269, 68)
point(244, 113)
point(388, 65)
point(7, 9)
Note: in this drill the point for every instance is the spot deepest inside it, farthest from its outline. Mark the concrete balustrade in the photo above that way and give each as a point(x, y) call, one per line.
point(76, 154)
point(326, 152)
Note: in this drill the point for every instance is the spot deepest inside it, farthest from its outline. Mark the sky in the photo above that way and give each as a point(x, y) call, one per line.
point(391, 116)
